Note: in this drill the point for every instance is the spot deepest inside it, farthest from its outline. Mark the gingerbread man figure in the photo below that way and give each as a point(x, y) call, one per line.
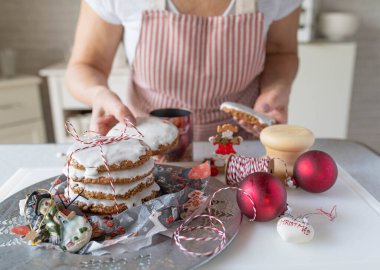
point(225, 141)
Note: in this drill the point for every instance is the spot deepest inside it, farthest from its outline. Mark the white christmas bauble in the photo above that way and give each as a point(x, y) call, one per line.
point(294, 231)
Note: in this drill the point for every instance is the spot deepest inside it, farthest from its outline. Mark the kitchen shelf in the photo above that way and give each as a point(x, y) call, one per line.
point(21, 119)
point(63, 105)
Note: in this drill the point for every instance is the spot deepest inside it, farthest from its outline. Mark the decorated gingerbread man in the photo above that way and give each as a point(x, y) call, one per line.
point(225, 141)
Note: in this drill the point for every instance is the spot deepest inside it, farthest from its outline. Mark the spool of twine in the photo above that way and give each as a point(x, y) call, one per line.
point(239, 167)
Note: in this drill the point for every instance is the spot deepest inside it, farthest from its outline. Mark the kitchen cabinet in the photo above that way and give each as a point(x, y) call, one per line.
point(320, 98)
point(321, 94)
point(65, 107)
point(21, 119)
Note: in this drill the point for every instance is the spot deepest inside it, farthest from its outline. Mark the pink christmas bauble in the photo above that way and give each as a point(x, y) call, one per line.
point(315, 171)
point(268, 194)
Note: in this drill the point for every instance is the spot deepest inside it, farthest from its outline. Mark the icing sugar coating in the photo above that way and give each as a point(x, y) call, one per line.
point(120, 189)
point(91, 172)
point(133, 201)
point(119, 174)
point(155, 130)
point(74, 228)
point(125, 150)
point(245, 109)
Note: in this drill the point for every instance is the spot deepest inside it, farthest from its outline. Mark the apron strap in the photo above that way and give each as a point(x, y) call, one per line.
point(158, 5)
point(245, 6)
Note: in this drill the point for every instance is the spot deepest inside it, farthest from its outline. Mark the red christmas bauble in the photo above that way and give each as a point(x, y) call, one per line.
point(315, 171)
point(268, 194)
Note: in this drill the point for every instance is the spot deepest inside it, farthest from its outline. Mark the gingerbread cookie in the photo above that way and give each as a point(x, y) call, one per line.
point(128, 179)
point(109, 207)
point(160, 135)
point(92, 176)
point(124, 154)
point(243, 112)
point(121, 191)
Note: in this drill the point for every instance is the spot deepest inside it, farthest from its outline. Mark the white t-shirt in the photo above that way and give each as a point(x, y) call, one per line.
point(128, 13)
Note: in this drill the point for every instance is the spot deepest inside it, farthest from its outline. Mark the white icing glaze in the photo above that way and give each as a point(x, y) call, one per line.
point(21, 205)
point(120, 189)
point(156, 131)
point(129, 202)
point(148, 166)
point(71, 230)
point(91, 172)
point(245, 109)
point(116, 152)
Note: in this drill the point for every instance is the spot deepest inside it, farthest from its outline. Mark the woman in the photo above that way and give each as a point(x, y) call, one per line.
point(187, 54)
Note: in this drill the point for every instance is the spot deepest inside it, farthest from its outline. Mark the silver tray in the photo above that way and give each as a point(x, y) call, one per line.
point(164, 254)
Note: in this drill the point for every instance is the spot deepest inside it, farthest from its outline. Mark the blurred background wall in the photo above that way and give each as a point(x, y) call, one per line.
point(364, 122)
point(41, 32)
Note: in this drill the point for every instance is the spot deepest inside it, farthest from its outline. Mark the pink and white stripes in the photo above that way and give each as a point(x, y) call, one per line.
point(238, 167)
point(196, 63)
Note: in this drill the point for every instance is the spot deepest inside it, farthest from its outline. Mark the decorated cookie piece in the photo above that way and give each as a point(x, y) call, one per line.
point(225, 142)
point(41, 211)
point(121, 191)
point(76, 232)
point(119, 176)
point(109, 174)
point(243, 112)
point(109, 207)
point(56, 225)
point(160, 135)
point(294, 231)
point(123, 154)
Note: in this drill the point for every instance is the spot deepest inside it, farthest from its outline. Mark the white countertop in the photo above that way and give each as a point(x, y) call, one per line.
point(360, 162)
point(351, 241)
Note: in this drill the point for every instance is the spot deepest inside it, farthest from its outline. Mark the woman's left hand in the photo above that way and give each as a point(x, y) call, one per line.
point(272, 103)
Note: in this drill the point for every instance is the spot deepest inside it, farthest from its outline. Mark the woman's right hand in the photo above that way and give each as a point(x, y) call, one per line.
point(107, 111)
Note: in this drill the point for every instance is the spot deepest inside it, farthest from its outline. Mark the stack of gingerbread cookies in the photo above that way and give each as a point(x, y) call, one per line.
point(130, 166)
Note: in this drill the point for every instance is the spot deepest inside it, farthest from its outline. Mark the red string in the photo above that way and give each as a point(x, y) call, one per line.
point(331, 215)
point(221, 232)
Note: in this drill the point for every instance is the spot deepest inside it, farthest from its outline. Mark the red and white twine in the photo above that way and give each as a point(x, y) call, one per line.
point(238, 167)
point(185, 228)
point(97, 140)
point(288, 179)
point(331, 215)
point(220, 231)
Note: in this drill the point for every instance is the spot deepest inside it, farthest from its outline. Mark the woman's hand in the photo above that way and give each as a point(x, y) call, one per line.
point(107, 111)
point(96, 42)
point(272, 103)
point(281, 63)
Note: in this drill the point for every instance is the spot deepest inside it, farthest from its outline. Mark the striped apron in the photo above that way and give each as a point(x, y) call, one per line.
point(193, 62)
